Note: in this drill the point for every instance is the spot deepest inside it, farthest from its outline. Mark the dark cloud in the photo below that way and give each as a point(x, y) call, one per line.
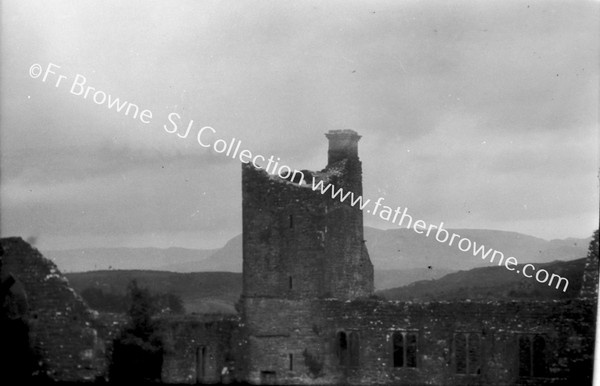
point(67, 164)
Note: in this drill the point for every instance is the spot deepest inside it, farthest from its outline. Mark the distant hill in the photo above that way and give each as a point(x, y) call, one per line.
point(217, 292)
point(409, 255)
point(392, 278)
point(492, 283)
point(404, 249)
point(201, 292)
point(228, 258)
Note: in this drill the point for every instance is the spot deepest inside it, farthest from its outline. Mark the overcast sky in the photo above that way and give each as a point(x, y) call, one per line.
point(480, 114)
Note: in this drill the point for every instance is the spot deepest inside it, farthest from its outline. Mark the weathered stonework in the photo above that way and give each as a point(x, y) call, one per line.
point(198, 348)
point(589, 286)
point(299, 244)
point(308, 317)
point(283, 327)
point(63, 331)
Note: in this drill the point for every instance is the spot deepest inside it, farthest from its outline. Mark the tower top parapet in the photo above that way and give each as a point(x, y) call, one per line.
point(343, 144)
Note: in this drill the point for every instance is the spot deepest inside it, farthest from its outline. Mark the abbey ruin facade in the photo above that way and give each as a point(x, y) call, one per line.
point(309, 316)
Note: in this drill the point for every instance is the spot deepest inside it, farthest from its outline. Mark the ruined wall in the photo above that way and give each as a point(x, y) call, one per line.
point(299, 243)
point(197, 349)
point(350, 271)
point(296, 342)
point(284, 345)
point(62, 329)
point(283, 232)
point(589, 285)
point(567, 328)
point(308, 317)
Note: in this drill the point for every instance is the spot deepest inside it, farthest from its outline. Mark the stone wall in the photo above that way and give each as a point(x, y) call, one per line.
point(63, 331)
point(567, 329)
point(589, 285)
point(296, 341)
point(299, 243)
point(281, 240)
point(308, 317)
point(197, 349)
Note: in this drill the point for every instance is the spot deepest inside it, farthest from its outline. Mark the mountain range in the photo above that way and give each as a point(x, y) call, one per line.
point(400, 256)
point(218, 292)
point(491, 283)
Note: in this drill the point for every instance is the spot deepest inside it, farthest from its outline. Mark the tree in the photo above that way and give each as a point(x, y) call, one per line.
point(99, 300)
point(138, 350)
point(141, 309)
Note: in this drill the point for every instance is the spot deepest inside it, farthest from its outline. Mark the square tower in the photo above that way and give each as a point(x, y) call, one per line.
point(299, 242)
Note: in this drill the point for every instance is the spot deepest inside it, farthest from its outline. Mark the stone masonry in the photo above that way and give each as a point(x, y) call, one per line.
point(308, 316)
point(62, 330)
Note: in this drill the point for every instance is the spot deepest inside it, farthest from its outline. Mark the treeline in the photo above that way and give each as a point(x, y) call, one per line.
point(162, 303)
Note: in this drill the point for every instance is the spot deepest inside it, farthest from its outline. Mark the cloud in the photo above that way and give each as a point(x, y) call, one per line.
point(479, 114)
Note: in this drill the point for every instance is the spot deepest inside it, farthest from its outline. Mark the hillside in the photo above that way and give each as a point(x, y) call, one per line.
point(201, 292)
point(491, 283)
point(404, 249)
point(217, 292)
point(228, 258)
point(392, 278)
point(395, 249)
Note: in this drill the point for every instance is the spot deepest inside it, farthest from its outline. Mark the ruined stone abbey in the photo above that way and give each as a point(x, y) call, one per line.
point(308, 314)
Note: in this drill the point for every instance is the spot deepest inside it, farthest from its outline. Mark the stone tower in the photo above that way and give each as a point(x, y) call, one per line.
point(300, 243)
point(299, 246)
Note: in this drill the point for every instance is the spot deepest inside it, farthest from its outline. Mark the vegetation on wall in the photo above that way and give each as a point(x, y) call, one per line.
point(313, 363)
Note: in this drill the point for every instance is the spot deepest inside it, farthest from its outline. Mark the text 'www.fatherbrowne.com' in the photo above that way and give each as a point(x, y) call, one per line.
point(207, 137)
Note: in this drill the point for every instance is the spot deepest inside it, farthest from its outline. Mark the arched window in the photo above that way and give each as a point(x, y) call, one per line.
point(460, 353)
point(200, 363)
point(539, 356)
point(532, 356)
point(342, 348)
point(524, 355)
point(398, 340)
point(467, 352)
point(348, 348)
point(404, 349)
point(411, 350)
point(473, 354)
point(354, 349)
